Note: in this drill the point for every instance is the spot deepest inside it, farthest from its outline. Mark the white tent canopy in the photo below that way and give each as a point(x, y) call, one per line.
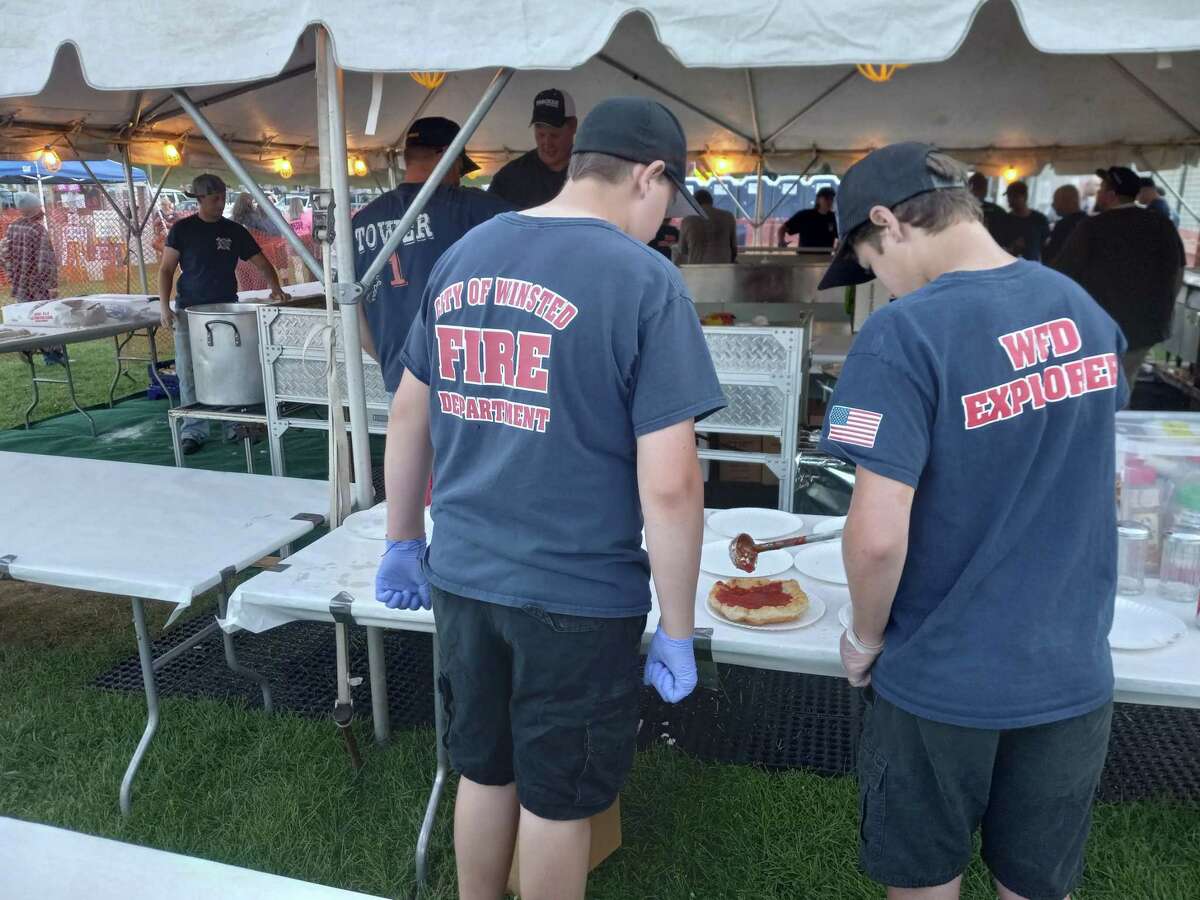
point(1022, 83)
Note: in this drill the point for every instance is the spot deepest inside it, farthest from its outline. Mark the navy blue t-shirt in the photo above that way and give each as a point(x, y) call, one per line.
point(549, 346)
point(391, 302)
point(208, 258)
point(994, 395)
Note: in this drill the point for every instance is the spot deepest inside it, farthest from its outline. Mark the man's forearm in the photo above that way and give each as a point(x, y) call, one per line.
point(674, 533)
point(269, 272)
point(166, 281)
point(407, 459)
point(873, 572)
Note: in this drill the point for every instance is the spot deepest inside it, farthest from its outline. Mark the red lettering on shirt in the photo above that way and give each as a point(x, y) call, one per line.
point(533, 349)
point(498, 347)
point(1052, 385)
point(1036, 344)
point(450, 345)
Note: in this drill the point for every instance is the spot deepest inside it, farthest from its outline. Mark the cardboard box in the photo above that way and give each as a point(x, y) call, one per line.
point(606, 838)
point(739, 471)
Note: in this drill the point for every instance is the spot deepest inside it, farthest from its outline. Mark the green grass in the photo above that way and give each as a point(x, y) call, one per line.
point(92, 367)
point(276, 793)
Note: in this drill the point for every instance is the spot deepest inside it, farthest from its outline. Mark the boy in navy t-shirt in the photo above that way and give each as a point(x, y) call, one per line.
point(981, 542)
point(552, 378)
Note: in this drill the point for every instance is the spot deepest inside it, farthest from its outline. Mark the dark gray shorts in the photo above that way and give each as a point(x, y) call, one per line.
point(925, 787)
point(547, 700)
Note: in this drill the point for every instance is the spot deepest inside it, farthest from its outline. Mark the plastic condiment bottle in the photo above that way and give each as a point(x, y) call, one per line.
point(1141, 501)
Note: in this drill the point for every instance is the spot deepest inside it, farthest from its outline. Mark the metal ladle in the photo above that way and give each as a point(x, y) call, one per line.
point(743, 552)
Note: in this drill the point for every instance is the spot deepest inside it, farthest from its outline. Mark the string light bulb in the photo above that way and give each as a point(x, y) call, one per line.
point(283, 166)
point(1010, 174)
point(428, 80)
point(171, 154)
point(50, 159)
point(357, 166)
point(722, 164)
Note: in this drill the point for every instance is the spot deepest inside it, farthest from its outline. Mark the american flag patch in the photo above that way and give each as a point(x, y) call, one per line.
point(848, 425)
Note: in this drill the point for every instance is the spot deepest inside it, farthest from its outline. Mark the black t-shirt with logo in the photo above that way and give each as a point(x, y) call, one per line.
point(208, 255)
point(527, 182)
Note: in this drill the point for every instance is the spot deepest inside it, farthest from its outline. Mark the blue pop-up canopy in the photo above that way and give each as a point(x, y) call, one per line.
point(27, 171)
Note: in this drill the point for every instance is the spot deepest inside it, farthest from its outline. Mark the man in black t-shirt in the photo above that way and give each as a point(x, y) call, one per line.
point(536, 177)
point(1034, 227)
point(1066, 205)
point(207, 247)
point(817, 227)
point(1004, 228)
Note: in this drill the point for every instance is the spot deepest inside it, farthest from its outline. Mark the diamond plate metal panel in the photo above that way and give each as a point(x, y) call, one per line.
point(755, 406)
point(292, 327)
point(747, 353)
point(304, 381)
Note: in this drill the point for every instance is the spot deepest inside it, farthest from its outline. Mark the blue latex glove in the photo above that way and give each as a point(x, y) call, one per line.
point(400, 583)
point(670, 666)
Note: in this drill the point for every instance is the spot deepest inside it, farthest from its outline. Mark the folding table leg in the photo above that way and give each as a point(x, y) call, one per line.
point(439, 779)
point(376, 665)
point(145, 656)
point(33, 386)
point(70, 382)
point(231, 659)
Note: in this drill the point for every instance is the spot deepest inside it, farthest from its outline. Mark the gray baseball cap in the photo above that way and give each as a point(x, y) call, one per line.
point(885, 177)
point(203, 185)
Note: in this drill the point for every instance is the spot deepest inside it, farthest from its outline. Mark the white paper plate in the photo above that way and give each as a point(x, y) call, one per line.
point(835, 524)
point(822, 561)
point(816, 609)
point(372, 523)
point(714, 559)
point(846, 616)
point(760, 524)
point(1137, 626)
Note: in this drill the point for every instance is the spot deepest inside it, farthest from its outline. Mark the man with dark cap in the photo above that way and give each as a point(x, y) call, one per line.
point(206, 247)
point(536, 177)
point(391, 301)
point(817, 227)
point(710, 237)
point(553, 377)
point(1153, 197)
point(982, 595)
point(1034, 227)
point(1131, 260)
point(1003, 228)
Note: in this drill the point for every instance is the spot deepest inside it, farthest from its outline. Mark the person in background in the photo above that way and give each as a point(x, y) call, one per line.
point(1153, 197)
point(817, 227)
point(1066, 207)
point(710, 237)
point(247, 214)
point(206, 246)
point(1131, 260)
point(393, 298)
point(28, 259)
point(1004, 230)
point(981, 605)
point(1035, 227)
point(666, 239)
point(540, 617)
point(536, 177)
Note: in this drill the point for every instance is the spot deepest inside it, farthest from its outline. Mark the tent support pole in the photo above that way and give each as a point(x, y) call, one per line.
point(671, 95)
point(134, 235)
point(154, 200)
point(758, 149)
point(812, 162)
point(103, 190)
point(248, 182)
point(821, 96)
point(148, 119)
point(503, 76)
point(758, 204)
point(335, 126)
point(1174, 193)
point(1156, 97)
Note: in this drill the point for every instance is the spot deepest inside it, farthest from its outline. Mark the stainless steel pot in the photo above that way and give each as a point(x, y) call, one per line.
point(225, 361)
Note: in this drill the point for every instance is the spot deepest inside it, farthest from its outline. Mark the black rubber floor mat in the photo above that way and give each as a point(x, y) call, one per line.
point(777, 720)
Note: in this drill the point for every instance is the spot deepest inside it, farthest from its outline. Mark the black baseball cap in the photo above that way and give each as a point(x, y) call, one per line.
point(203, 185)
point(641, 131)
point(1123, 179)
point(886, 177)
point(552, 107)
point(438, 133)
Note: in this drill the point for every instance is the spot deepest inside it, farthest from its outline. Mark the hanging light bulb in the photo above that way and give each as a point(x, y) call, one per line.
point(879, 73)
point(357, 166)
point(171, 154)
point(722, 164)
point(49, 159)
point(283, 166)
point(1010, 174)
point(428, 80)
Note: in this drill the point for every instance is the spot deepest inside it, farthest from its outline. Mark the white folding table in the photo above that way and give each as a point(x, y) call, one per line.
point(38, 861)
point(332, 579)
point(147, 533)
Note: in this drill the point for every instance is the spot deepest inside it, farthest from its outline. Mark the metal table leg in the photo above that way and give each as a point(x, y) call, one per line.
point(377, 667)
point(146, 658)
point(70, 383)
point(249, 455)
point(33, 385)
point(439, 779)
point(231, 659)
point(175, 424)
